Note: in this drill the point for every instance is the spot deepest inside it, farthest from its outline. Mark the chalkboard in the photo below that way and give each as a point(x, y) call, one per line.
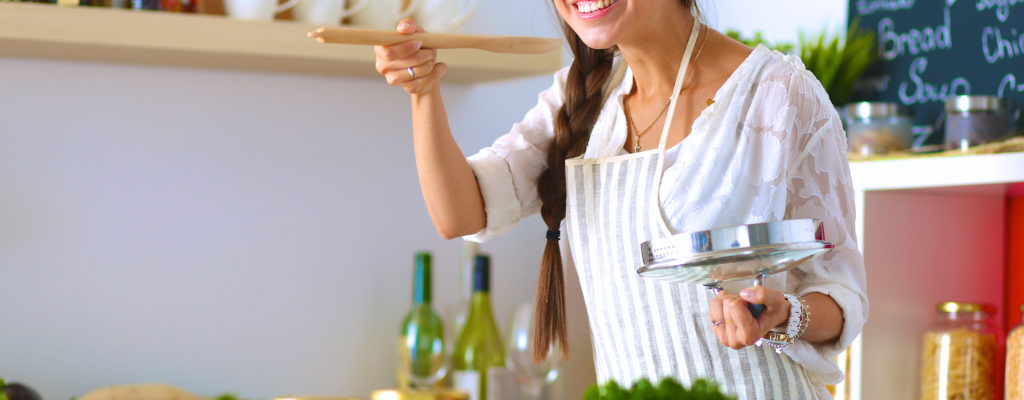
point(933, 49)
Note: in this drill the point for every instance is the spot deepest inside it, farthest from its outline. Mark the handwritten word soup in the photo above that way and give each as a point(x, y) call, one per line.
point(918, 91)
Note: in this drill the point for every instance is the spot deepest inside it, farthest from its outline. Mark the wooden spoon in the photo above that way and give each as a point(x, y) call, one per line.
point(497, 44)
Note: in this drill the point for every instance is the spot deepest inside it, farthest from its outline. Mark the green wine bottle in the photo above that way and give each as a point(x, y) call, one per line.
point(478, 361)
point(421, 343)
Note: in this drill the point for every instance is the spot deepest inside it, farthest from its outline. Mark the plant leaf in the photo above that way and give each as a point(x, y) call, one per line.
point(837, 63)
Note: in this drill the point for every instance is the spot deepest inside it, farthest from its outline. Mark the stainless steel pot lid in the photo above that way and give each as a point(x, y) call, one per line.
point(733, 253)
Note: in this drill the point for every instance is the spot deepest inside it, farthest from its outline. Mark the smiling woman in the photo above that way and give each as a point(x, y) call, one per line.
point(746, 136)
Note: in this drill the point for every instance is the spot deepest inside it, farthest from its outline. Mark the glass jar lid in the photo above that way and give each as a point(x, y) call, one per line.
point(314, 398)
point(955, 306)
point(429, 394)
point(975, 103)
point(875, 109)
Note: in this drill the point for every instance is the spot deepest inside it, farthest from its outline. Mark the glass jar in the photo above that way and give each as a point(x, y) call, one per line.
point(431, 394)
point(878, 127)
point(959, 354)
point(1015, 361)
point(974, 120)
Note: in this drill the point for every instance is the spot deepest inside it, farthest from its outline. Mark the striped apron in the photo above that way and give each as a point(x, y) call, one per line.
point(644, 328)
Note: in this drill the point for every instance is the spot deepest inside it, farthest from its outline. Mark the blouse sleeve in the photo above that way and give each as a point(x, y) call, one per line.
point(507, 171)
point(819, 186)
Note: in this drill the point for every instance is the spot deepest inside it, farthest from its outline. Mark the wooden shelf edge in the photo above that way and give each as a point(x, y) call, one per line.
point(204, 41)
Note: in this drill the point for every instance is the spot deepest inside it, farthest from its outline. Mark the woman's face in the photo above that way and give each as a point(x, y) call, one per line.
point(604, 23)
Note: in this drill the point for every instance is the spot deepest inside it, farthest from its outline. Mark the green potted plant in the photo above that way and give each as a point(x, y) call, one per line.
point(838, 63)
point(758, 39)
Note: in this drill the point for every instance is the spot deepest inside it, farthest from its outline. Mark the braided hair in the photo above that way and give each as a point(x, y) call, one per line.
point(584, 97)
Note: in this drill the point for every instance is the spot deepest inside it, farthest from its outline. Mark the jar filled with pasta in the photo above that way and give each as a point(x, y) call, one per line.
point(1015, 361)
point(959, 354)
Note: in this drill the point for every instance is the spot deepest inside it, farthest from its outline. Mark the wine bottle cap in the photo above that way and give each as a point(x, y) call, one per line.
point(421, 285)
point(482, 273)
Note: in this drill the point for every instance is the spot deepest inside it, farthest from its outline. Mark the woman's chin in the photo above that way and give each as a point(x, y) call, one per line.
point(597, 43)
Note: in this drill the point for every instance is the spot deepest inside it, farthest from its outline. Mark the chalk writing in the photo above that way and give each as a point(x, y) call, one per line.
point(920, 67)
point(1002, 7)
point(868, 7)
point(924, 92)
point(997, 47)
point(872, 84)
point(892, 44)
point(1009, 82)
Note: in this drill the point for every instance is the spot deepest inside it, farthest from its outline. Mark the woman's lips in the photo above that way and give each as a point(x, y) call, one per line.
point(590, 9)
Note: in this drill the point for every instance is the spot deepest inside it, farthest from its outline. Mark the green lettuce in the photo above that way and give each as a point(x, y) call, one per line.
point(667, 389)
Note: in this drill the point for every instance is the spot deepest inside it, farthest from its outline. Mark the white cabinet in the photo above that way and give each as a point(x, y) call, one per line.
point(932, 229)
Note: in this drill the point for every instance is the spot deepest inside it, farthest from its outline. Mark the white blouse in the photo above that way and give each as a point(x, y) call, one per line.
point(771, 147)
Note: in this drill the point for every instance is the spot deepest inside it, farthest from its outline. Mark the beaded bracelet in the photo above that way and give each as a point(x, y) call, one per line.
point(799, 318)
point(805, 318)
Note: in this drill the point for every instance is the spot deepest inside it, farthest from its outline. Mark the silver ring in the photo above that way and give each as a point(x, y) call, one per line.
point(412, 73)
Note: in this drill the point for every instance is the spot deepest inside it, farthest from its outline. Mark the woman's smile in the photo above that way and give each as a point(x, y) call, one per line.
point(591, 9)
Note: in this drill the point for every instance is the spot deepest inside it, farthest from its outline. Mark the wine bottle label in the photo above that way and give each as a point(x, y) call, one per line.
point(469, 382)
point(495, 386)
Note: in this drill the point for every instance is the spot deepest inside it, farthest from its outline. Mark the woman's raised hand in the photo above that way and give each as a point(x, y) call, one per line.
point(407, 64)
point(735, 326)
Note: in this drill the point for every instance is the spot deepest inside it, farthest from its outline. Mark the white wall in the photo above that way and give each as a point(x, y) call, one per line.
point(778, 20)
point(244, 232)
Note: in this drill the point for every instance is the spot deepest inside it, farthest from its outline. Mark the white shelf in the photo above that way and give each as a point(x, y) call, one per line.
point(931, 229)
point(937, 172)
point(208, 41)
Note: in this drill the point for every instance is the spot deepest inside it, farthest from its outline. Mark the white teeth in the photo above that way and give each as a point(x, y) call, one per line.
point(594, 5)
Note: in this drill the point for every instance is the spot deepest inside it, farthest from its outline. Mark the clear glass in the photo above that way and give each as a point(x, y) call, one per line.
point(869, 136)
point(969, 129)
point(959, 356)
point(531, 377)
point(1015, 362)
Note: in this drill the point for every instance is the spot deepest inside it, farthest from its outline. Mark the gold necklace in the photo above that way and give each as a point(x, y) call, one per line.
point(638, 133)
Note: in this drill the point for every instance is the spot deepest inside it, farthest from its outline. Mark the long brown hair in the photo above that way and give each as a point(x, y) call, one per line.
point(584, 96)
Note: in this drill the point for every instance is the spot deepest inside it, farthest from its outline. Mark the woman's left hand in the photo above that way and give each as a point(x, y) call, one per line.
point(733, 323)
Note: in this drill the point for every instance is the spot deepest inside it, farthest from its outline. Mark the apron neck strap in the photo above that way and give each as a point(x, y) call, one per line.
point(684, 65)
